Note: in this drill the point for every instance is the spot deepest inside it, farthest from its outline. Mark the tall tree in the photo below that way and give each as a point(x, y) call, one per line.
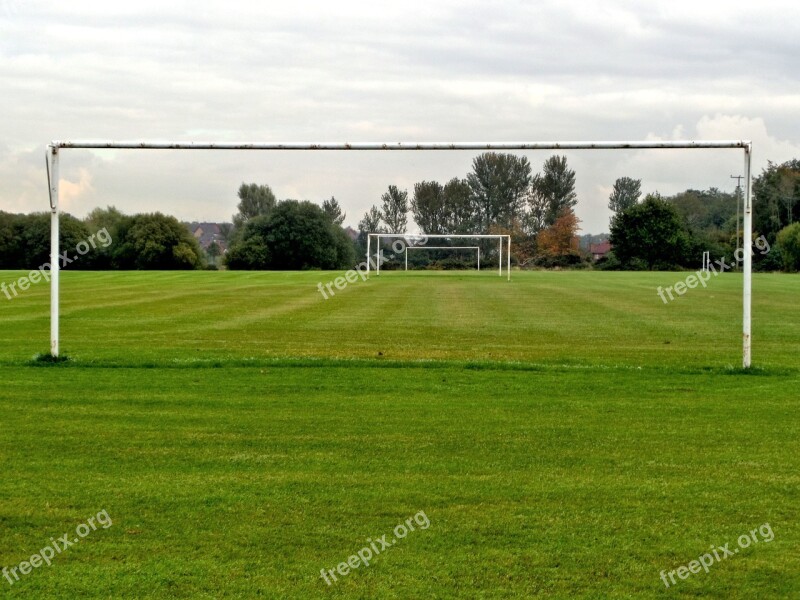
point(651, 232)
point(334, 211)
point(536, 218)
point(428, 207)
point(498, 183)
point(626, 193)
point(789, 189)
point(254, 200)
point(371, 222)
point(556, 187)
point(394, 211)
point(460, 215)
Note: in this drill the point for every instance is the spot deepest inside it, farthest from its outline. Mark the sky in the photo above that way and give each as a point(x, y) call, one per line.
point(346, 71)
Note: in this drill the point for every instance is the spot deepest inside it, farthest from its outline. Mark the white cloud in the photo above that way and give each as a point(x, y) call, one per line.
point(71, 192)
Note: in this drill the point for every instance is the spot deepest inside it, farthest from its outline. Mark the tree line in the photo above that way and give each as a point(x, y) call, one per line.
point(501, 195)
point(668, 232)
point(142, 241)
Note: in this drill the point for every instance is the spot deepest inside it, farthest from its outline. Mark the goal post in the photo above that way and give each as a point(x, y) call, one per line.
point(501, 238)
point(478, 248)
point(54, 148)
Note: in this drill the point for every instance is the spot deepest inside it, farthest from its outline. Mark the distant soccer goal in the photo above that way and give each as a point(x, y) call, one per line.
point(54, 150)
point(478, 248)
point(405, 241)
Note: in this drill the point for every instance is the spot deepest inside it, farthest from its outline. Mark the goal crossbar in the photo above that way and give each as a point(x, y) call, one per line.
point(54, 148)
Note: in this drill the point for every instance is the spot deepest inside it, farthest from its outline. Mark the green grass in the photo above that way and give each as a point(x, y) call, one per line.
point(567, 434)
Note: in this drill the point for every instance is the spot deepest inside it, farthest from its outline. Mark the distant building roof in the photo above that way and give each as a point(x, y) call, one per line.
point(601, 249)
point(207, 233)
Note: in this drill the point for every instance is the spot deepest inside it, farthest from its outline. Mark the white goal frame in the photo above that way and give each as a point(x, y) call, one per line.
point(478, 248)
point(500, 237)
point(54, 150)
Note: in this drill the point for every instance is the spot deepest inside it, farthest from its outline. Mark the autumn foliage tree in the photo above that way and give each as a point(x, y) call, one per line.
point(559, 239)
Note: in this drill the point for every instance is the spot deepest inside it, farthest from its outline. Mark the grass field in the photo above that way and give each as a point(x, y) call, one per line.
point(565, 434)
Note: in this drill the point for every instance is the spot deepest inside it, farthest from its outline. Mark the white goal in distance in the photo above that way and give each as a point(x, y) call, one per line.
point(407, 240)
point(54, 149)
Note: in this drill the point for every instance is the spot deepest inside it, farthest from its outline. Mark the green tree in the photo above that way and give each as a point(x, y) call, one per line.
point(625, 193)
point(11, 250)
point(710, 216)
point(428, 207)
point(394, 209)
point(334, 211)
point(789, 243)
point(498, 183)
point(250, 253)
point(254, 200)
point(25, 241)
point(156, 241)
point(556, 188)
point(370, 223)
point(651, 233)
point(705, 210)
point(226, 231)
point(104, 218)
point(536, 217)
point(776, 198)
point(110, 219)
point(294, 236)
point(460, 216)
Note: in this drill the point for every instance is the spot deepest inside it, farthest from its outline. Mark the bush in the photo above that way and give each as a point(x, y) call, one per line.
point(155, 241)
point(563, 261)
point(293, 236)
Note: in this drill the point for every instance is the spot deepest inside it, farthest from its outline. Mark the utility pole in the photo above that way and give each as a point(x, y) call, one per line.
point(738, 179)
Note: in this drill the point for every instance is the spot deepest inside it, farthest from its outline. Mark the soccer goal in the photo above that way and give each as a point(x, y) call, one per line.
point(54, 150)
point(404, 241)
point(478, 248)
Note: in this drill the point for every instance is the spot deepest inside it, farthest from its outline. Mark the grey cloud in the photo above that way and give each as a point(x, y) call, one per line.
point(431, 71)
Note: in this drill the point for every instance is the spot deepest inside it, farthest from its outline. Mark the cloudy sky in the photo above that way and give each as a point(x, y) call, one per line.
point(346, 71)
